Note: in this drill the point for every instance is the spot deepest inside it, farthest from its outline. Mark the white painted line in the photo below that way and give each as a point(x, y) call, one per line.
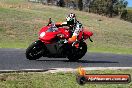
point(87, 68)
point(105, 68)
point(54, 70)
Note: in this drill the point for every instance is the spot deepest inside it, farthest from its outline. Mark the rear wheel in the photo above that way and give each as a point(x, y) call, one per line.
point(35, 50)
point(78, 53)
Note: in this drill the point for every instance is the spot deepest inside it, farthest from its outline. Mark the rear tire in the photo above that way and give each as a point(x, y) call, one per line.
point(78, 53)
point(35, 50)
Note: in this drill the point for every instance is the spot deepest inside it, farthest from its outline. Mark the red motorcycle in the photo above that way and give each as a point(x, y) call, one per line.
point(53, 43)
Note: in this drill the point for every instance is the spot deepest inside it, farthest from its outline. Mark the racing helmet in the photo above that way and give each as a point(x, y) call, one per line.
point(71, 19)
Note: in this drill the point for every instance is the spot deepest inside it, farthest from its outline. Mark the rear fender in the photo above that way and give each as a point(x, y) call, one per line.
point(87, 34)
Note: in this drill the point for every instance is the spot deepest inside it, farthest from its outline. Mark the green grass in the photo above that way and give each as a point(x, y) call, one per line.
point(20, 22)
point(12, 1)
point(55, 80)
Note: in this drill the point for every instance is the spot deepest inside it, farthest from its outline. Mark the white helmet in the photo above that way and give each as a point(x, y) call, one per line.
point(71, 19)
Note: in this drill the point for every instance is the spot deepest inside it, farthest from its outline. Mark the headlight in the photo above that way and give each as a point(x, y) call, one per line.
point(42, 34)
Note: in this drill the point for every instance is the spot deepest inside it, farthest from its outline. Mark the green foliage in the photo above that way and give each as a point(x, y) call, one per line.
point(108, 7)
point(127, 15)
point(61, 3)
point(80, 5)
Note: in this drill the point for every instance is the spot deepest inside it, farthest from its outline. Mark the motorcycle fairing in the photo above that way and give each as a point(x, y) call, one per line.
point(49, 37)
point(56, 49)
point(87, 34)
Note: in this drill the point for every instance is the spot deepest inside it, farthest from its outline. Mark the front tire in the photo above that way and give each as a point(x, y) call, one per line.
point(35, 50)
point(78, 53)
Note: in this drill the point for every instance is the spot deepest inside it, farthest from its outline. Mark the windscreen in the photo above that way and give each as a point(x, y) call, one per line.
point(52, 29)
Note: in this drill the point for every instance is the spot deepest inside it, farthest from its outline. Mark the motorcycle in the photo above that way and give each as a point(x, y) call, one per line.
point(53, 43)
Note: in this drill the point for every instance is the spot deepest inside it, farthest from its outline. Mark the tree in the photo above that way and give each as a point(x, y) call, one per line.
point(108, 7)
point(80, 5)
point(61, 3)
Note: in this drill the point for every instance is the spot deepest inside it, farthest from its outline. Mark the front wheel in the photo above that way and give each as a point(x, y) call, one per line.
point(35, 50)
point(78, 53)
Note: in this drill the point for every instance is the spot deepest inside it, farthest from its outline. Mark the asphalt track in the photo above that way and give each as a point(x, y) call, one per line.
point(14, 59)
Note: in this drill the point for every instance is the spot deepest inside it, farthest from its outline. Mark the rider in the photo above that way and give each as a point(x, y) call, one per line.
point(74, 26)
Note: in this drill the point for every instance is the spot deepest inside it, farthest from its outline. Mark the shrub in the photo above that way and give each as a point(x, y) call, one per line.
point(127, 15)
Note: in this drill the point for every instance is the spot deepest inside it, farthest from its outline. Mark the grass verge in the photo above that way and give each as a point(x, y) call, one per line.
point(55, 80)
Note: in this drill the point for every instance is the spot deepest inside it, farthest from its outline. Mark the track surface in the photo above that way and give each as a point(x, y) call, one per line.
point(14, 59)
